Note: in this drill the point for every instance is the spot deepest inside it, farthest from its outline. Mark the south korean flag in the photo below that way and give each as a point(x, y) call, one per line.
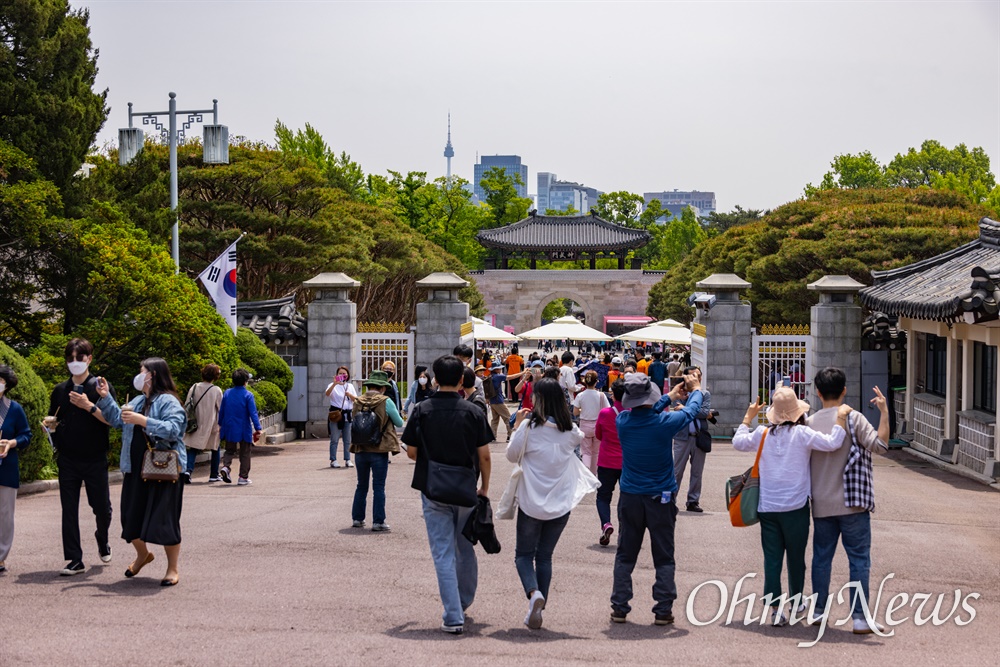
point(219, 278)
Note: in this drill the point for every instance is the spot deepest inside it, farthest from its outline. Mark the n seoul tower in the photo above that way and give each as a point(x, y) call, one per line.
point(449, 152)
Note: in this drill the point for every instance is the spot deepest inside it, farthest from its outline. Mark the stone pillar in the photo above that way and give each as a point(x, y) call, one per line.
point(440, 318)
point(728, 348)
point(332, 329)
point(835, 326)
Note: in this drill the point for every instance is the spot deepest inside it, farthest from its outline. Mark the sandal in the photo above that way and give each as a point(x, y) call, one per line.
point(170, 582)
point(129, 572)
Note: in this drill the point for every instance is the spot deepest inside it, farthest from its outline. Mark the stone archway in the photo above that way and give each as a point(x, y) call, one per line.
point(583, 301)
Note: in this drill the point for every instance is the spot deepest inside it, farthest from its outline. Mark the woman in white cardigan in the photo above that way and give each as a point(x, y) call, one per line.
point(544, 441)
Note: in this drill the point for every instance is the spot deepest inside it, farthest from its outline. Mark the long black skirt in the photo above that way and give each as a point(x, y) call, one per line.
point(151, 511)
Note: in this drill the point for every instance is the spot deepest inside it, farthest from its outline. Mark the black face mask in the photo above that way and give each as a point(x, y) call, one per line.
point(389, 374)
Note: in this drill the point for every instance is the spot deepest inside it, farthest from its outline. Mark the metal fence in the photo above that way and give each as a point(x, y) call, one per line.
point(781, 351)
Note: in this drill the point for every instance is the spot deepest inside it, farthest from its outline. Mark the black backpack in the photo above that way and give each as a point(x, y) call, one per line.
point(489, 389)
point(366, 429)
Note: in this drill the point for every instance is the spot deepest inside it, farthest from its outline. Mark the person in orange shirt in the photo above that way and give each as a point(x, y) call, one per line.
point(643, 364)
point(515, 363)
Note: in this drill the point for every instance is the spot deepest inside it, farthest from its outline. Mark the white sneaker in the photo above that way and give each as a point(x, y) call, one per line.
point(335, 464)
point(534, 618)
point(779, 619)
point(861, 627)
point(349, 464)
point(243, 481)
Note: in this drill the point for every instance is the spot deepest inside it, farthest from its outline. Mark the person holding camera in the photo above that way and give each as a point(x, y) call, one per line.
point(81, 436)
point(341, 393)
point(686, 443)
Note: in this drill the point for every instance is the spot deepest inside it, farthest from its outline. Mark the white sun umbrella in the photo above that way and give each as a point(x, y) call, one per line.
point(563, 328)
point(664, 331)
point(482, 330)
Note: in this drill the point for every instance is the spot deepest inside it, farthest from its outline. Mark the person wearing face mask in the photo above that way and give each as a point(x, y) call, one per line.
point(419, 390)
point(80, 434)
point(14, 435)
point(150, 511)
point(392, 391)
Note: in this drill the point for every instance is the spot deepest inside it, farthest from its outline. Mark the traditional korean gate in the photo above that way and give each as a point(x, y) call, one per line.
point(781, 350)
point(378, 342)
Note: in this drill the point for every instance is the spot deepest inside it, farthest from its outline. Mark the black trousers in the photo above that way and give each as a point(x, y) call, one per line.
point(636, 515)
point(94, 476)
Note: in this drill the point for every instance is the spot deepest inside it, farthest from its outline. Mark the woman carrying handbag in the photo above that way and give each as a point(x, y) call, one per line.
point(552, 481)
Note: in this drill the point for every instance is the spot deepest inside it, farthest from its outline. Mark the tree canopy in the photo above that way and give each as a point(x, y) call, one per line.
point(501, 196)
point(48, 108)
point(838, 231)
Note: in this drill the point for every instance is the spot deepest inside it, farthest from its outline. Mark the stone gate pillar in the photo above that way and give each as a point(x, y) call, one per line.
point(728, 343)
point(835, 326)
point(440, 318)
point(332, 329)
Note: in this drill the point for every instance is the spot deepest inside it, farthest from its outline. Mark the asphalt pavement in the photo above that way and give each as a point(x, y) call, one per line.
point(273, 574)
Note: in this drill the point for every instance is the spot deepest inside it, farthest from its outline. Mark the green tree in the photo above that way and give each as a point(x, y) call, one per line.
point(624, 208)
point(922, 167)
point(340, 171)
point(680, 237)
point(501, 196)
point(48, 108)
point(719, 223)
point(568, 212)
point(261, 361)
point(851, 172)
point(851, 232)
point(453, 220)
point(553, 309)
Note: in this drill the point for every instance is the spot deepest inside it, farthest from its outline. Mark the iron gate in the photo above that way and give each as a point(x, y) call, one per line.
point(779, 351)
point(378, 342)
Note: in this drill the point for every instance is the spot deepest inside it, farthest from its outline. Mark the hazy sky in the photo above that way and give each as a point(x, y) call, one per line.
point(747, 99)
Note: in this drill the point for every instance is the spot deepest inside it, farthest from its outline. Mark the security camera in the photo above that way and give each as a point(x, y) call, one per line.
point(704, 301)
point(691, 299)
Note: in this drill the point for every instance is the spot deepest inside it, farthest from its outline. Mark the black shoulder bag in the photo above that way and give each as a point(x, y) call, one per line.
point(448, 484)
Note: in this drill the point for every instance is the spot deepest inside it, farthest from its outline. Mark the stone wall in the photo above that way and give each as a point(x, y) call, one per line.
point(517, 297)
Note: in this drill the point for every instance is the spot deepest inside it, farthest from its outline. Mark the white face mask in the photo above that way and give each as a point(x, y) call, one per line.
point(422, 381)
point(77, 367)
point(139, 381)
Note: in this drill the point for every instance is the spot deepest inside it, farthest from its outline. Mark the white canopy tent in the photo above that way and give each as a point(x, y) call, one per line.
point(482, 330)
point(664, 331)
point(565, 328)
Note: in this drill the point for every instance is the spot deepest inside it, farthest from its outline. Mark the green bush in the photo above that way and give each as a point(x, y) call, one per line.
point(35, 462)
point(266, 364)
point(268, 397)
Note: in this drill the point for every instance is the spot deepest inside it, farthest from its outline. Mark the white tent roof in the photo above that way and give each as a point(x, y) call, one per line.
point(481, 330)
point(664, 331)
point(567, 327)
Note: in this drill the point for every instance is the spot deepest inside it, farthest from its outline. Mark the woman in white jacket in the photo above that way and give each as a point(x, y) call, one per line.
point(544, 440)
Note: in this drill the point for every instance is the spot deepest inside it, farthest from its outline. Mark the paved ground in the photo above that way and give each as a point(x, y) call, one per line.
point(273, 574)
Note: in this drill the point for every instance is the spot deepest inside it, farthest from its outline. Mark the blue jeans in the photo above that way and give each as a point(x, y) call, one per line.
point(216, 455)
point(454, 558)
point(376, 465)
point(855, 531)
point(338, 430)
point(536, 540)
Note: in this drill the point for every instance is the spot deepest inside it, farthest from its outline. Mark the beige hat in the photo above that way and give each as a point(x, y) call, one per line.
point(785, 406)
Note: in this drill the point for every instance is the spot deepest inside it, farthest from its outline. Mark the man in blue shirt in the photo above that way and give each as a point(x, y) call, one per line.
point(648, 488)
point(658, 371)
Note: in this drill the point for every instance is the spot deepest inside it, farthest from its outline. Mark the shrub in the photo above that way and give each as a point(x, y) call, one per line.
point(35, 462)
point(265, 363)
point(269, 398)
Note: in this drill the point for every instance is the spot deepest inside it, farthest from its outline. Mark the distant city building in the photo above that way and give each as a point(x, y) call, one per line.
point(561, 195)
point(676, 201)
point(512, 163)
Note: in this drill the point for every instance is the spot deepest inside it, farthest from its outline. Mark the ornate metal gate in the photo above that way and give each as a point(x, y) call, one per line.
point(378, 342)
point(779, 351)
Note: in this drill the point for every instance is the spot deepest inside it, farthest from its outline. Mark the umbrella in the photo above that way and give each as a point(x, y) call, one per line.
point(481, 330)
point(664, 331)
point(563, 328)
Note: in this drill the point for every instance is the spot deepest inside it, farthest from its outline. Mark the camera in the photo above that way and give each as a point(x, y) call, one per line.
point(712, 416)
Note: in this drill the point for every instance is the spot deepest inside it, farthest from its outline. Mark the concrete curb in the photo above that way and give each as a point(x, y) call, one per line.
point(114, 477)
point(951, 467)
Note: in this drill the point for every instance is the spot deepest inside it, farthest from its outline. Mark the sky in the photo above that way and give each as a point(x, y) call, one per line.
point(751, 100)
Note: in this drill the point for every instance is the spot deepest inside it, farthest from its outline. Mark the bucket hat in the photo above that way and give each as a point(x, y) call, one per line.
point(785, 406)
point(377, 379)
point(639, 391)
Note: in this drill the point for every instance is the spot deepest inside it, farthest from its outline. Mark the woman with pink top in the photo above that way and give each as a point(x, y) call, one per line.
point(609, 459)
point(587, 406)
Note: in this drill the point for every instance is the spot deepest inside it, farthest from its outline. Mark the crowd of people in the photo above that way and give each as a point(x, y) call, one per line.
point(596, 423)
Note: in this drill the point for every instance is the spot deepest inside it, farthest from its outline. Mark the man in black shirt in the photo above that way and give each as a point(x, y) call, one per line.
point(81, 436)
point(449, 430)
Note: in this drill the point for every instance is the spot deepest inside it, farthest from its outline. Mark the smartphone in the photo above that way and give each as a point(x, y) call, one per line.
point(675, 380)
point(340, 378)
point(786, 381)
point(78, 388)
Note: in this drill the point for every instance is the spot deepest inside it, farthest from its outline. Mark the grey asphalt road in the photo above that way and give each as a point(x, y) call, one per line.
point(273, 574)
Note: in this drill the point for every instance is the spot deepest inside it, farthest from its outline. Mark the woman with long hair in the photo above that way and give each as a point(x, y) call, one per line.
point(341, 393)
point(783, 506)
point(155, 419)
point(205, 399)
point(544, 442)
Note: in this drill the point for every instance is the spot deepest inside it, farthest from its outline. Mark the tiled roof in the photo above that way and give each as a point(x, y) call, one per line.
point(946, 287)
point(275, 321)
point(583, 233)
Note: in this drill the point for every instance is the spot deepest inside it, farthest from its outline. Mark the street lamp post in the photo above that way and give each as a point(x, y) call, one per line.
point(215, 148)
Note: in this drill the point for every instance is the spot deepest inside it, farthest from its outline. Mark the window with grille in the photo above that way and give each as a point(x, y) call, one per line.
point(984, 383)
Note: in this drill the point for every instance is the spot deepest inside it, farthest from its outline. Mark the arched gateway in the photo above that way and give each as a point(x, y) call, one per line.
point(518, 296)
